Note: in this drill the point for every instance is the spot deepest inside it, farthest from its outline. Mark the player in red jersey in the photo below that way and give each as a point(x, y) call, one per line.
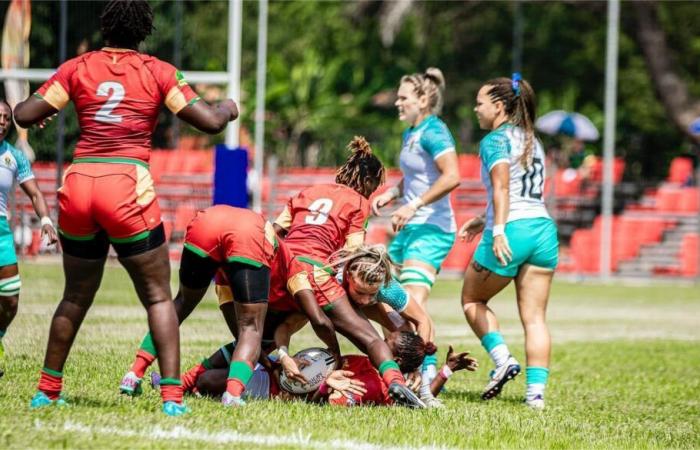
point(323, 219)
point(107, 195)
point(356, 382)
point(251, 266)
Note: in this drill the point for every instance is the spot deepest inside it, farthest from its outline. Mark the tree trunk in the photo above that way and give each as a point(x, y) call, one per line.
point(670, 88)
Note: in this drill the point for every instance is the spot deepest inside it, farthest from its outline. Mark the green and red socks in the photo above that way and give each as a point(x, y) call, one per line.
point(189, 378)
point(239, 374)
point(391, 373)
point(51, 383)
point(171, 390)
point(145, 356)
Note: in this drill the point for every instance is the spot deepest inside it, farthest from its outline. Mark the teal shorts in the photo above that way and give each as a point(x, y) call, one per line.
point(532, 241)
point(423, 242)
point(7, 244)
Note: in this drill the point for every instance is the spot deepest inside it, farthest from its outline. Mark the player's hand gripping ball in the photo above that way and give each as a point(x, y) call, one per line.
point(321, 363)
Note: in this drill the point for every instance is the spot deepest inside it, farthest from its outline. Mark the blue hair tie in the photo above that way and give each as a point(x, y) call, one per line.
point(515, 83)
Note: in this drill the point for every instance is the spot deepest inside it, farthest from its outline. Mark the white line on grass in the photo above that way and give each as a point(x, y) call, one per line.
point(224, 437)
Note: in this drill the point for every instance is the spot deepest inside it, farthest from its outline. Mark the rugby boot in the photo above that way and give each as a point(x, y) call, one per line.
point(230, 401)
point(174, 409)
point(41, 400)
point(499, 377)
point(130, 385)
point(536, 402)
point(403, 396)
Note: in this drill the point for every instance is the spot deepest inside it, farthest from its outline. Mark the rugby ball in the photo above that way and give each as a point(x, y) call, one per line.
point(321, 363)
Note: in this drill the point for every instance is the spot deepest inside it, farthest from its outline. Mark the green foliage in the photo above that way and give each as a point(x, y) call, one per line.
point(327, 68)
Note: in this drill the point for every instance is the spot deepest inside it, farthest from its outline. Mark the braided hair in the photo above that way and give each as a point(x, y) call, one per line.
point(369, 264)
point(412, 349)
point(362, 171)
point(126, 23)
point(432, 84)
point(518, 99)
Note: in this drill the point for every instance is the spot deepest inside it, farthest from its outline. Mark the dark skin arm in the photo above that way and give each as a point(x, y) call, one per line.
point(322, 325)
point(31, 188)
point(455, 362)
point(207, 118)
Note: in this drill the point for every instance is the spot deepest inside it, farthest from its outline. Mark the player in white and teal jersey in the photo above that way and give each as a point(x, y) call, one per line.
point(519, 240)
point(366, 274)
point(14, 167)
point(425, 223)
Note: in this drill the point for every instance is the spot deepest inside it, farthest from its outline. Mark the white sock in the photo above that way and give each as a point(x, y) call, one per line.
point(500, 354)
point(429, 374)
point(533, 390)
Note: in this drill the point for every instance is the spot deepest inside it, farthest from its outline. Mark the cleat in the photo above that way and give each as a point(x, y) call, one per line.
point(41, 400)
point(229, 400)
point(155, 380)
point(2, 359)
point(427, 397)
point(130, 385)
point(536, 403)
point(403, 396)
point(174, 409)
point(499, 377)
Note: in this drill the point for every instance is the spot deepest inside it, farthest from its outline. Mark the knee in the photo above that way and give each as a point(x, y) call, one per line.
point(469, 304)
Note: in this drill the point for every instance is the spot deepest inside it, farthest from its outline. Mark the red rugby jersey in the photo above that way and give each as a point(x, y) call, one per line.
point(363, 370)
point(287, 277)
point(117, 95)
point(322, 219)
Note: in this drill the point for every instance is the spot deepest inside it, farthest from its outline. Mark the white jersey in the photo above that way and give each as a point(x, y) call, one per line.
point(14, 166)
point(421, 146)
point(505, 145)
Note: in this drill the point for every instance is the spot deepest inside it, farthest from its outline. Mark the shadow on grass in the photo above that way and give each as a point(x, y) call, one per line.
point(475, 397)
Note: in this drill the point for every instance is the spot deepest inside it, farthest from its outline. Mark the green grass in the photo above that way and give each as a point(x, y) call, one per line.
point(624, 375)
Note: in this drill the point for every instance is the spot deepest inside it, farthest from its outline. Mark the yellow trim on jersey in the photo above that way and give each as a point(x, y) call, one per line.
point(354, 240)
point(145, 192)
point(298, 282)
point(175, 100)
point(284, 219)
point(320, 275)
point(270, 234)
point(224, 294)
point(56, 96)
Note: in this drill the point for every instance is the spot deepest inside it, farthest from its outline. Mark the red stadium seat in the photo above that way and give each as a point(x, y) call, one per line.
point(460, 255)
point(681, 170)
point(469, 166)
point(689, 254)
point(183, 215)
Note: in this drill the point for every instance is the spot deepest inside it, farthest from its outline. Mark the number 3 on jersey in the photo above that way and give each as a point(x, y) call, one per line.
point(115, 92)
point(318, 211)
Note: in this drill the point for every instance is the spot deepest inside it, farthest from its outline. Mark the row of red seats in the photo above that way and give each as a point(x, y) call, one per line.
point(680, 171)
point(689, 254)
point(628, 235)
point(180, 162)
point(678, 199)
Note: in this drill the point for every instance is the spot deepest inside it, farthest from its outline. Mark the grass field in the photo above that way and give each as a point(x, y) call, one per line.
point(625, 374)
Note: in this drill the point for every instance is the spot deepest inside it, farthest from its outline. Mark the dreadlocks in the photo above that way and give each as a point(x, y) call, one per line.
point(363, 171)
point(411, 349)
point(520, 107)
point(126, 23)
point(369, 264)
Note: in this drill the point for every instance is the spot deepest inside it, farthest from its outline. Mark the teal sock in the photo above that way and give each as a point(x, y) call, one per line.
point(492, 339)
point(2, 333)
point(536, 382)
point(536, 375)
point(429, 360)
point(496, 347)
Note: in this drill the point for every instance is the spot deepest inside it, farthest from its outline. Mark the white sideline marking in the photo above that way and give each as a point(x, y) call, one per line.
point(225, 437)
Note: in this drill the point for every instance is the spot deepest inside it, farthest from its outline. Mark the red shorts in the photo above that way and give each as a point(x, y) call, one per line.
point(326, 288)
point(118, 198)
point(227, 234)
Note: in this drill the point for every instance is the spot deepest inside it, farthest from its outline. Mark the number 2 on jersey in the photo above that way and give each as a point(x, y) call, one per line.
point(533, 180)
point(115, 92)
point(318, 211)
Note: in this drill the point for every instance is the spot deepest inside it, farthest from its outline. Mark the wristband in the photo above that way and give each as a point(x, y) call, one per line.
point(499, 230)
point(445, 372)
point(394, 191)
point(323, 389)
point(46, 220)
point(416, 203)
point(282, 352)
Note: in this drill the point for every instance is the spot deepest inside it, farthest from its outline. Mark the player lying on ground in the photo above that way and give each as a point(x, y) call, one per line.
point(252, 266)
point(107, 195)
point(366, 274)
point(321, 220)
point(356, 382)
